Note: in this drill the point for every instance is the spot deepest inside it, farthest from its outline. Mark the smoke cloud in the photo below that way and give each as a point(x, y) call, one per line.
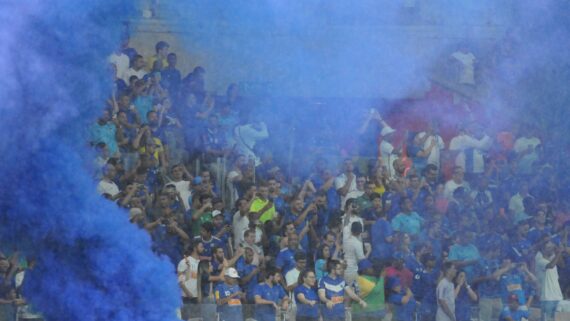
point(92, 264)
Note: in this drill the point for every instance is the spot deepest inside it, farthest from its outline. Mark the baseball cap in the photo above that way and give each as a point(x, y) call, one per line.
point(232, 273)
point(216, 213)
point(387, 130)
point(197, 180)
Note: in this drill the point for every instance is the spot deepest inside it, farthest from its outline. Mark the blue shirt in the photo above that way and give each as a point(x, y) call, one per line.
point(285, 260)
point(232, 309)
point(305, 310)
point(266, 312)
point(334, 291)
point(512, 283)
point(518, 315)
point(244, 270)
point(467, 252)
point(402, 312)
point(209, 245)
point(380, 230)
point(463, 305)
point(489, 288)
point(426, 289)
point(407, 223)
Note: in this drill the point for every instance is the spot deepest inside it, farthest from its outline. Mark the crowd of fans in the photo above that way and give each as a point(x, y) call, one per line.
point(391, 233)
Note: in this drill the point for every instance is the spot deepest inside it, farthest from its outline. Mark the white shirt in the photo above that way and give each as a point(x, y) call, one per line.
point(353, 192)
point(188, 274)
point(451, 186)
point(522, 144)
point(516, 204)
point(131, 72)
point(246, 137)
point(240, 224)
point(183, 187)
point(346, 226)
point(121, 61)
point(353, 253)
point(467, 75)
point(446, 292)
point(547, 278)
point(106, 187)
point(388, 158)
point(435, 154)
point(463, 142)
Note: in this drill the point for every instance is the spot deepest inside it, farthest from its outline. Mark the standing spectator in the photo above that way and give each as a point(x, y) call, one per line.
point(229, 297)
point(407, 221)
point(470, 149)
point(466, 64)
point(270, 297)
point(371, 285)
point(249, 272)
point(526, 150)
point(246, 136)
point(158, 61)
point(546, 261)
point(431, 137)
point(353, 253)
point(292, 276)
point(332, 289)
point(457, 180)
point(262, 208)
point(345, 183)
point(171, 77)
point(240, 222)
point(121, 62)
point(465, 254)
point(105, 131)
point(188, 280)
point(402, 300)
point(446, 294)
point(306, 297)
point(136, 69)
point(107, 184)
point(490, 304)
point(285, 260)
point(381, 234)
point(464, 295)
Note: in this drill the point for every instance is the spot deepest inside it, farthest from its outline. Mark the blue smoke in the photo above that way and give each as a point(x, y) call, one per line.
point(92, 264)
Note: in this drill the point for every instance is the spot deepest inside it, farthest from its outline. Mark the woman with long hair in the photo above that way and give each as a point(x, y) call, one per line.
point(464, 297)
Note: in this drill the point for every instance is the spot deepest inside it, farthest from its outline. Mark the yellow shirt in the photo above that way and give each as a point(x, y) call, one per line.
point(257, 205)
point(151, 60)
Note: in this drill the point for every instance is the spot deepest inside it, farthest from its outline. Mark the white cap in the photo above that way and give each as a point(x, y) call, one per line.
point(216, 213)
point(387, 130)
point(232, 273)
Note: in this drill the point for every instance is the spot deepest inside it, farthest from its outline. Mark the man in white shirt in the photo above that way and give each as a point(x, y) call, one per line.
point(246, 136)
point(446, 294)
point(470, 150)
point(137, 68)
point(121, 61)
point(188, 280)
point(345, 183)
point(353, 253)
point(240, 222)
point(547, 273)
point(106, 184)
point(457, 180)
point(351, 215)
point(467, 60)
point(292, 276)
point(516, 204)
point(433, 137)
point(525, 148)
